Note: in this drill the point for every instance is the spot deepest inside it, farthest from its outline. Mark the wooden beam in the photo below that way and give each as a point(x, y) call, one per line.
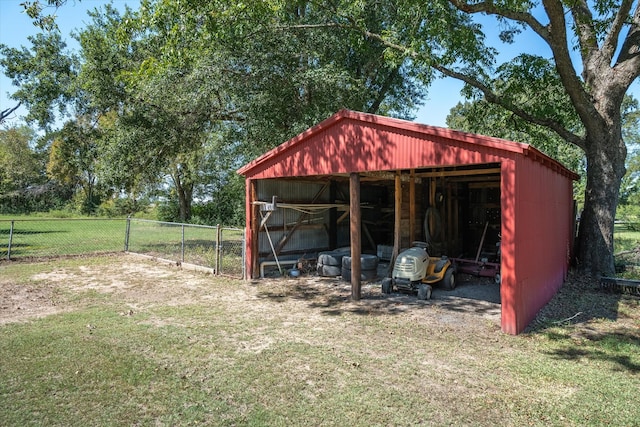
point(356, 239)
point(397, 229)
point(254, 223)
point(464, 172)
point(412, 206)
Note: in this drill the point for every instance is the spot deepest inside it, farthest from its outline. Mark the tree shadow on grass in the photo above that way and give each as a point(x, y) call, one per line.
point(333, 298)
point(612, 347)
point(579, 301)
point(588, 322)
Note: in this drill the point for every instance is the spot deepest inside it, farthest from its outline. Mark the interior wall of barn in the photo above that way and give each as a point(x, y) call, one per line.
point(453, 214)
point(304, 229)
point(462, 216)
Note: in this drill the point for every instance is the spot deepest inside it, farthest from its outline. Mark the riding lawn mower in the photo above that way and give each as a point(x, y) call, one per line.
point(415, 271)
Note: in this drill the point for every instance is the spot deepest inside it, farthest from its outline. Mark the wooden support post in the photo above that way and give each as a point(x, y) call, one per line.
point(356, 239)
point(449, 237)
point(412, 206)
point(253, 212)
point(397, 229)
point(397, 224)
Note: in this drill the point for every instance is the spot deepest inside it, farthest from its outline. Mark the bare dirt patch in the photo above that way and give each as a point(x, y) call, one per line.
point(136, 283)
point(473, 307)
point(140, 284)
point(19, 302)
point(469, 307)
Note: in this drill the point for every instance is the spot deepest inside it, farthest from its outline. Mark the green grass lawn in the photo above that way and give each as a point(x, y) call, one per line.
point(627, 246)
point(46, 237)
point(116, 341)
point(38, 237)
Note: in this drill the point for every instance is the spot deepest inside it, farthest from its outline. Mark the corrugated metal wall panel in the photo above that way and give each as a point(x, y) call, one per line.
point(282, 221)
point(291, 191)
point(543, 208)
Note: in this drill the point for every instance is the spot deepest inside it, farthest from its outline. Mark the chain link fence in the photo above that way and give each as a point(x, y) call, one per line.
point(35, 238)
point(218, 249)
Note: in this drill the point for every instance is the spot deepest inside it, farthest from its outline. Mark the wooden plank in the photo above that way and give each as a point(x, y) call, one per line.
point(342, 217)
point(356, 239)
point(466, 172)
point(314, 226)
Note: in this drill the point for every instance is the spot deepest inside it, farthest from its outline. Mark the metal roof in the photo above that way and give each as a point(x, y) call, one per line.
point(351, 141)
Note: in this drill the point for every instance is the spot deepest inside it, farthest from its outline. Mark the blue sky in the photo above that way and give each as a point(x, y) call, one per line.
point(15, 27)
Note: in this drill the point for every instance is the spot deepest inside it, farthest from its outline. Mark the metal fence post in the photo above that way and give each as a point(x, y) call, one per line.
point(182, 257)
point(126, 234)
point(10, 240)
point(218, 248)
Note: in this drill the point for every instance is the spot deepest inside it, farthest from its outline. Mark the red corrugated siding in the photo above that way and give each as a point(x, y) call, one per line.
point(536, 191)
point(543, 212)
point(346, 143)
point(508, 295)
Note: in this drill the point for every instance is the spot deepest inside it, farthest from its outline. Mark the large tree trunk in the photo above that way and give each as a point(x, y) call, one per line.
point(184, 190)
point(606, 155)
point(184, 200)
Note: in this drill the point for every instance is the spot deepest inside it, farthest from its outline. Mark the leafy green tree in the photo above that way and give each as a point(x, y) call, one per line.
point(19, 163)
point(24, 187)
point(486, 118)
point(630, 188)
point(37, 10)
point(174, 73)
point(45, 76)
point(180, 72)
point(295, 72)
point(73, 160)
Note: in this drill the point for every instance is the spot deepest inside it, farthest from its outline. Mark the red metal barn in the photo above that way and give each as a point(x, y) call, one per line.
point(473, 196)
